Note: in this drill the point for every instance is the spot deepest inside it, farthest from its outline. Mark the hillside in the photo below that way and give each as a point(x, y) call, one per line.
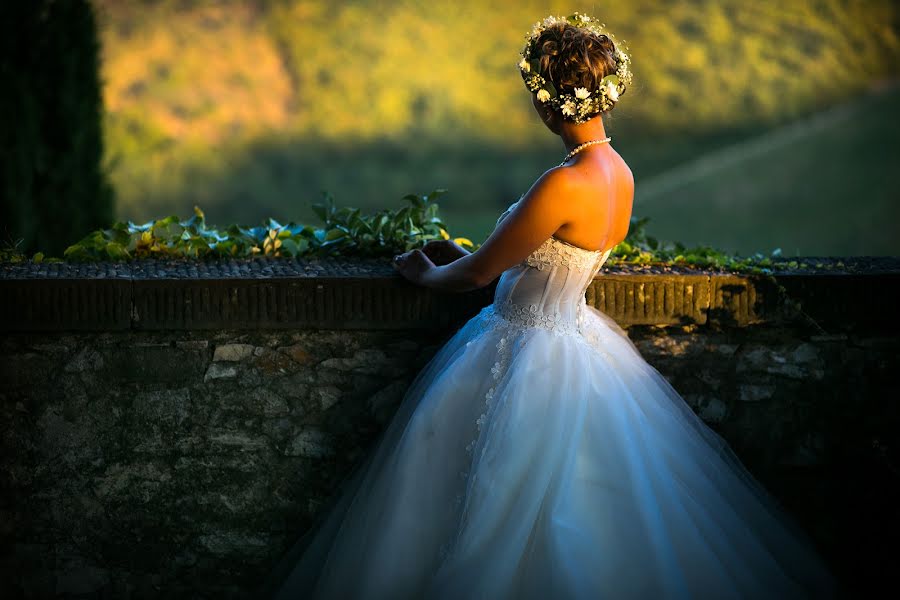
point(826, 184)
point(251, 108)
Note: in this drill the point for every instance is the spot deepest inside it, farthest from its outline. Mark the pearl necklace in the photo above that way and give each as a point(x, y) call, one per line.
point(581, 147)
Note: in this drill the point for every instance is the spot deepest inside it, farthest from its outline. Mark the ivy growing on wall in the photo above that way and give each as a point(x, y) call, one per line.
point(346, 231)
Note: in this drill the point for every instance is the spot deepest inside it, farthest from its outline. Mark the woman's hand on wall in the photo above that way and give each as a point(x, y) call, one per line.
point(442, 252)
point(413, 265)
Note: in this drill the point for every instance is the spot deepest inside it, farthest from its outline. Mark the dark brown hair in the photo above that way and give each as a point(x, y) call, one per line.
point(572, 57)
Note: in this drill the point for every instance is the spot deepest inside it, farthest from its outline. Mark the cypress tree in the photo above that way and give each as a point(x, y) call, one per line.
point(53, 189)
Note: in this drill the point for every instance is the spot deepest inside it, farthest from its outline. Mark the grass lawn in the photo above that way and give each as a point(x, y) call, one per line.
point(823, 186)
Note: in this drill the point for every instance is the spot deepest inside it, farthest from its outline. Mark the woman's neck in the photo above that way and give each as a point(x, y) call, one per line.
point(574, 134)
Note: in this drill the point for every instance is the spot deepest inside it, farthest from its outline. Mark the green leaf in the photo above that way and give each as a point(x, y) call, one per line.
point(132, 228)
point(192, 222)
point(116, 251)
point(334, 234)
point(290, 247)
point(550, 89)
point(258, 233)
point(212, 234)
point(413, 199)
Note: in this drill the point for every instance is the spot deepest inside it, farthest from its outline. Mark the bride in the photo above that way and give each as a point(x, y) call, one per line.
point(537, 455)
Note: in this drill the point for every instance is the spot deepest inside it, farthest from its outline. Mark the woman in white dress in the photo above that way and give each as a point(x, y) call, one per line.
point(538, 455)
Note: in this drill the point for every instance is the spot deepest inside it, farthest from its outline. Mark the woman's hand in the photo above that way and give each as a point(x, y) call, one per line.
point(413, 265)
point(442, 252)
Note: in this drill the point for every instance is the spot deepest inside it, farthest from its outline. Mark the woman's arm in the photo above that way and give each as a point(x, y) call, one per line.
point(537, 216)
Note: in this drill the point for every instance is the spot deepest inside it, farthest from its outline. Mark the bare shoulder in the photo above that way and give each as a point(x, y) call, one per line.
point(555, 179)
point(562, 181)
point(580, 187)
point(543, 196)
point(624, 169)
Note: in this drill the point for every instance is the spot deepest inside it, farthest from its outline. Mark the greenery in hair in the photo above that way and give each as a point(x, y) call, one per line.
point(581, 104)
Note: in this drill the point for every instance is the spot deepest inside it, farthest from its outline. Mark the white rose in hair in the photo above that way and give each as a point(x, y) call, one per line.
point(581, 93)
point(543, 95)
point(612, 91)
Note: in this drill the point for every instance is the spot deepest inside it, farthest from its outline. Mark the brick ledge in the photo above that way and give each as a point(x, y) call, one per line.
point(367, 294)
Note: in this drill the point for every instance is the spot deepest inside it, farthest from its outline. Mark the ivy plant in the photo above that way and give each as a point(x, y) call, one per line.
point(347, 232)
point(641, 248)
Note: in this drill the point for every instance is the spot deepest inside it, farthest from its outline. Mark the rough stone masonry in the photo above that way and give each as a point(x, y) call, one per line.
point(182, 462)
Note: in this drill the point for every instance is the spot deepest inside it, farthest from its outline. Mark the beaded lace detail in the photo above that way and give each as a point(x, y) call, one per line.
point(530, 316)
point(557, 252)
point(486, 320)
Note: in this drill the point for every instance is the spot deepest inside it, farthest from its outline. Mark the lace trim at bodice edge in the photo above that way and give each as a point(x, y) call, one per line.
point(569, 254)
point(554, 251)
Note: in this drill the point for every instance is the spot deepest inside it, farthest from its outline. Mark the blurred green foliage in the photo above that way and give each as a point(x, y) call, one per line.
point(255, 107)
point(51, 147)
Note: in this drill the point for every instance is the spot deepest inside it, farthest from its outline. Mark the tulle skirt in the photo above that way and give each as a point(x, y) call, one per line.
point(525, 464)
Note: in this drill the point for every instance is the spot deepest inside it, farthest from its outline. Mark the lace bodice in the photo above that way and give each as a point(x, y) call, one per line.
point(547, 288)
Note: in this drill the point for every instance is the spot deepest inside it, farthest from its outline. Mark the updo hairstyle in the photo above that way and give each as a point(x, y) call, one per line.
point(573, 57)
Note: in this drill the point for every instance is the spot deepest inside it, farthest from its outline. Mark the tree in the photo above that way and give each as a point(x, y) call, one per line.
point(53, 189)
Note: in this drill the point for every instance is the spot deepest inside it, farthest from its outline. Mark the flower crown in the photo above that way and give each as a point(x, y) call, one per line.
point(583, 103)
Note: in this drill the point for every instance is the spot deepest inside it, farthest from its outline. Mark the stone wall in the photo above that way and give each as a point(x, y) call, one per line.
point(175, 462)
point(184, 461)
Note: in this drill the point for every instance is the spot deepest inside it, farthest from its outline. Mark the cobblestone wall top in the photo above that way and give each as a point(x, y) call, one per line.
point(854, 292)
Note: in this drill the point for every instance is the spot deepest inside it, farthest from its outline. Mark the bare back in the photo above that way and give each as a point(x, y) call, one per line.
point(586, 204)
point(599, 208)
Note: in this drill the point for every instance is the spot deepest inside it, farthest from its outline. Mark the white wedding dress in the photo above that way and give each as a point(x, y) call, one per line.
point(539, 456)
